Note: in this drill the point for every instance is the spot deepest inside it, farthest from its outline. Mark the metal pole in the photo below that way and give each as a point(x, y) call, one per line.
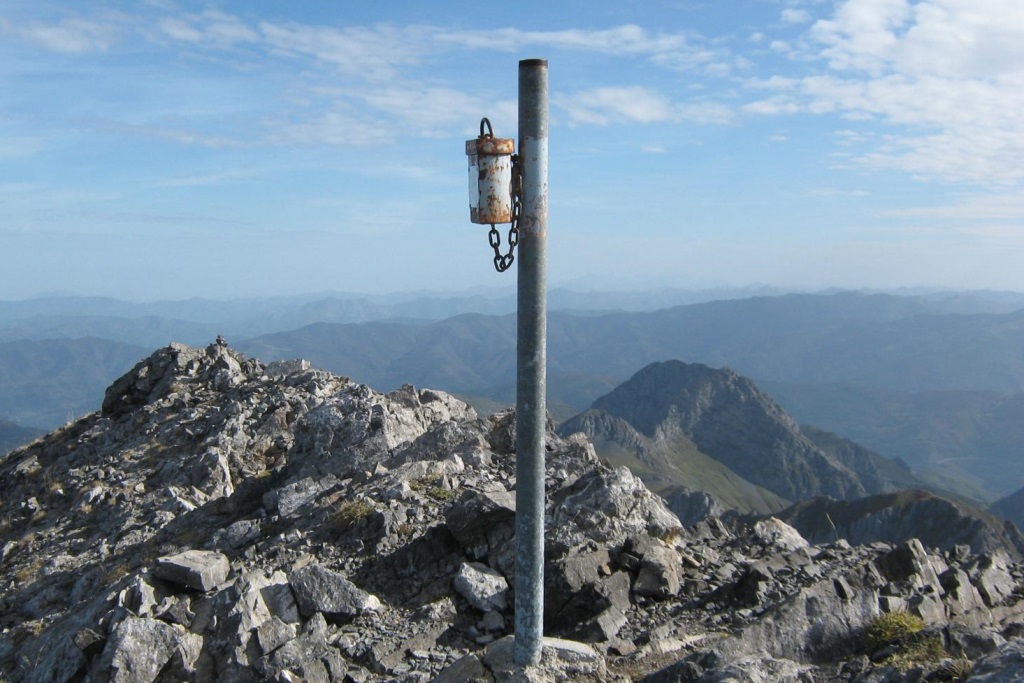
point(531, 361)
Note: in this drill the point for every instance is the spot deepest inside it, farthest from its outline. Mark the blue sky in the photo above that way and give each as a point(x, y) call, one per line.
point(163, 149)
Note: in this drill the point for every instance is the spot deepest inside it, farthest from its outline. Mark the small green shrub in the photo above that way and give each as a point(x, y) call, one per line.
point(425, 483)
point(441, 495)
point(430, 485)
point(350, 512)
point(904, 631)
point(891, 627)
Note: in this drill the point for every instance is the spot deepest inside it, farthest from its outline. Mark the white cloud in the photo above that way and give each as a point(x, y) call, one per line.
point(429, 111)
point(340, 126)
point(795, 16)
point(947, 75)
point(179, 29)
point(999, 206)
point(209, 180)
point(71, 36)
point(670, 50)
point(374, 52)
point(952, 38)
point(637, 104)
point(830, 192)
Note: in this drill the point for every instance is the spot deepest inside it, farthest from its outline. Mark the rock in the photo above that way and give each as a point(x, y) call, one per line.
point(684, 671)
point(1005, 665)
point(237, 534)
point(579, 588)
point(758, 669)
point(993, 580)
point(607, 507)
point(961, 596)
point(318, 589)
point(201, 570)
point(468, 669)
point(971, 642)
point(560, 660)
point(137, 650)
point(691, 506)
point(492, 621)
point(659, 572)
point(601, 629)
point(481, 520)
point(778, 535)
point(481, 586)
point(89, 642)
point(300, 651)
point(908, 563)
point(274, 633)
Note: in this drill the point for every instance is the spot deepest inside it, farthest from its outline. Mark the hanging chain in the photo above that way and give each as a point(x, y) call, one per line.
point(502, 262)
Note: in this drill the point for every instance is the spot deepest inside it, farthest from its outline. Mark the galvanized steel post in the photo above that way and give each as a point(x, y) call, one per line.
point(531, 368)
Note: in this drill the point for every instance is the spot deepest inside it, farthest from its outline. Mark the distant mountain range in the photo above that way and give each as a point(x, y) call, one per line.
point(873, 340)
point(45, 383)
point(935, 380)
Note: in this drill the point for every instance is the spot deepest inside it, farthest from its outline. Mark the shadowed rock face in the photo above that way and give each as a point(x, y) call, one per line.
point(223, 520)
point(902, 516)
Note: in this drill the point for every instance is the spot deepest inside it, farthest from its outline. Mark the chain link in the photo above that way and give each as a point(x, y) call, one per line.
point(503, 262)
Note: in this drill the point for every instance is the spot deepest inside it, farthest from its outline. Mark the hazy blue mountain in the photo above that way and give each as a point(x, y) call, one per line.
point(150, 332)
point(874, 340)
point(188, 319)
point(13, 435)
point(971, 441)
point(682, 424)
point(1011, 507)
point(45, 383)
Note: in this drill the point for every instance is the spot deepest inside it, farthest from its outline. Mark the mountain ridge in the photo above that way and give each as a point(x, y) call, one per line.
point(909, 343)
point(724, 416)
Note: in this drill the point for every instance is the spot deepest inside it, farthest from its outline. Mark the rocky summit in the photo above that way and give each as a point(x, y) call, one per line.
point(225, 520)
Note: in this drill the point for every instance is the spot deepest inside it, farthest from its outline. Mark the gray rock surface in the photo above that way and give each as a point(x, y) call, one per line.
point(482, 586)
point(320, 590)
point(202, 570)
point(221, 522)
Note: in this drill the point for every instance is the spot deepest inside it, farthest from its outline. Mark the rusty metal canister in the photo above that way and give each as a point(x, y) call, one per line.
point(490, 179)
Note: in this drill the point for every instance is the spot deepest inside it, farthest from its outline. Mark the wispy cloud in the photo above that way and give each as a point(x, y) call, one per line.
point(684, 51)
point(829, 192)
point(1000, 206)
point(210, 27)
point(71, 36)
point(637, 104)
point(792, 15)
point(948, 75)
point(374, 52)
point(208, 180)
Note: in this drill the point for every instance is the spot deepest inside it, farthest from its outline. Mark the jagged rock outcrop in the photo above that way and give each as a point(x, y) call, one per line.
point(222, 520)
